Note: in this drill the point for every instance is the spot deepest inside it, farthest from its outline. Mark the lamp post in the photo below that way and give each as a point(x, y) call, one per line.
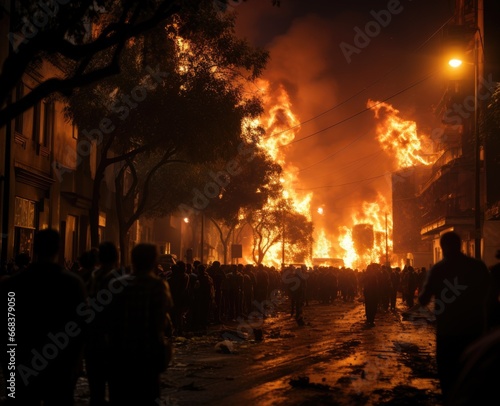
point(477, 160)
point(282, 239)
point(202, 236)
point(456, 63)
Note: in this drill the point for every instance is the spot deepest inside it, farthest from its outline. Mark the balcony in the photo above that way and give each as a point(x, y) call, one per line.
point(446, 222)
point(440, 166)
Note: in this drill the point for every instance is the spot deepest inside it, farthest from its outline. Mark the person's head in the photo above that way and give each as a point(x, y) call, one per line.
point(181, 266)
point(450, 244)
point(88, 260)
point(46, 245)
point(108, 254)
point(144, 258)
point(200, 270)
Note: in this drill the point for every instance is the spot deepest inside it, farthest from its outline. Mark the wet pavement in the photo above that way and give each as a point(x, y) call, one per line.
point(334, 359)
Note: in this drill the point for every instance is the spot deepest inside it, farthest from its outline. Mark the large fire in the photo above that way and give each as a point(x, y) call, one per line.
point(399, 137)
point(370, 238)
point(281, 126)
point(323, 245)
point(367, 236)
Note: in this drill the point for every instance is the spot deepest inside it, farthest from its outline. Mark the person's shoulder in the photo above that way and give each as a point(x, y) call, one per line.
point(476, 263)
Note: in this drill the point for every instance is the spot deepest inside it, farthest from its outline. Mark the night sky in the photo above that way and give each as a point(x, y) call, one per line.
point(304, 39)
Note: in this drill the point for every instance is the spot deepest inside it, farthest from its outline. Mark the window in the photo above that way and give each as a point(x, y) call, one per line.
point(24, 226)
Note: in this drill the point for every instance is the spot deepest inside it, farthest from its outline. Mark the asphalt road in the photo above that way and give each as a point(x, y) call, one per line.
point(334, 359)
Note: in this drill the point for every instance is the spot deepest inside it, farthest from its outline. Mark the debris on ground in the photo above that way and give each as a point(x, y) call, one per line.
point(225, 347)
point(303, 382)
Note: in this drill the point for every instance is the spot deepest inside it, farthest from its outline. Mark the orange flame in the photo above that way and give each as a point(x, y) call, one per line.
point(281, 126)
point(377, 215)
point(322, 245)
point(399, 137)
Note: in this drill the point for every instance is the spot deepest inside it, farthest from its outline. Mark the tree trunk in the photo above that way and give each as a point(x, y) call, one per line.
point(94, 208)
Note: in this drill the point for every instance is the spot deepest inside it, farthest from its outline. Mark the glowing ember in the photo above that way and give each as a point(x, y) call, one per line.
point(399, 137)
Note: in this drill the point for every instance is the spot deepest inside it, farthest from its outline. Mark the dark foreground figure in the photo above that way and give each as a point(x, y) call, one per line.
point(138, 320)
point(460, 286)
point(49, 330)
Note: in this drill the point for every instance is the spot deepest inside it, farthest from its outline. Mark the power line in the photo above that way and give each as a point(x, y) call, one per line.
point(362, 111)
point(368, 86)
point(338, 151)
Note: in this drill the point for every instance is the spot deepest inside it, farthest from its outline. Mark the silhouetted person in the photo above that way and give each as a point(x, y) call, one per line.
point(97, 348)
point(138, 319)
point(495, 294)
point(371, 291)
point(410, 286)
point(204, 295)
point(88, 262)
point(218, 276)
point(49, 329)
point(179, 288)
point(460, 287)
point(394, 276)
point(297, 291)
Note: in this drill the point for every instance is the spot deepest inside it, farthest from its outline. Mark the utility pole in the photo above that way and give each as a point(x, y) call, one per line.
point(202, 236)
point(283, 239)
point(386, 243)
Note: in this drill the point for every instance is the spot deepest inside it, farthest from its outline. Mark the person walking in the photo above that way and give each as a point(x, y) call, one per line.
point(494, 319)
point(49, 330)
point(460, 287)
point(138, 322)
point(371, 292)
point(96, 345)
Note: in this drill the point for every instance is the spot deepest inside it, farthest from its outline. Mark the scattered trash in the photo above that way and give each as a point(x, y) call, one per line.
point(224, 347)
point(233, 335)
point(303, 382)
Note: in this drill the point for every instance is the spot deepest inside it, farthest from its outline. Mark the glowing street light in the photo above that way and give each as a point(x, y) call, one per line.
point(455, 62)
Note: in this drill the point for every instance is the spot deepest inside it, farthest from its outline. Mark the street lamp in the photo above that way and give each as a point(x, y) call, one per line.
point(455, 63)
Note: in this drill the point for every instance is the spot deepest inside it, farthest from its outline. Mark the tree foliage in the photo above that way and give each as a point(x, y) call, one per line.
point(75, 34)
point(278, 222)
point(179, 99)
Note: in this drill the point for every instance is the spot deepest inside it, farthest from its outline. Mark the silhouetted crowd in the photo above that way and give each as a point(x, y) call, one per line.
point(114, 325)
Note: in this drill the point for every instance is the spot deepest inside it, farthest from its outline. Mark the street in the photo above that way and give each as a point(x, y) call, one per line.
point(334, 359)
